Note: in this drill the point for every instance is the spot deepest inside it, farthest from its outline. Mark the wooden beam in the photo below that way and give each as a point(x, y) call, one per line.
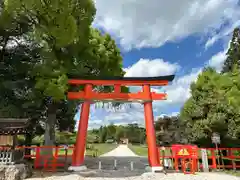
point(117, 96)
point(118, 82)
point(117, 88)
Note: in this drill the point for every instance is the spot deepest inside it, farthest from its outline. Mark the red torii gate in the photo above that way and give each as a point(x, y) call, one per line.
point(146, 97)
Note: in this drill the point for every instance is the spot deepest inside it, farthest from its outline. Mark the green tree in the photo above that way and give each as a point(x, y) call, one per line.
point(65, 116)
point(17, 95)
point(233, 54)
point(103, 134)
point(211, 108)
point(169, 130)
point(135, 134)
point(56, 26)
point(119, 133)
point(68, 44)
point(111, 131)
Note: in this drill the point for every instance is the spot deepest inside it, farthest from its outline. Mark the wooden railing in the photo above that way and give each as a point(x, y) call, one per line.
point(61, 157)
point(5, 156)
point(8, 155)
point(225, 158)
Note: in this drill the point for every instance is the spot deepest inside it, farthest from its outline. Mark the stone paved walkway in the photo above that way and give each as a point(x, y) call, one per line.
point(120, 151)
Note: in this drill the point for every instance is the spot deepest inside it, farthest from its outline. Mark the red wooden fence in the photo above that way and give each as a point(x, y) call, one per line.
point(62, 156)
point(233, 156)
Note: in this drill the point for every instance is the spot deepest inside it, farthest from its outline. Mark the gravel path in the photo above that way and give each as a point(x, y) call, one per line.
point(145, 176)
point(120, 151)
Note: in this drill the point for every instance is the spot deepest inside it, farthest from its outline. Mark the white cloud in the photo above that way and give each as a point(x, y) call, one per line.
point(171, 114)
point(225, 32)
point(217, 60)
point(151, 68)
point(140, 23)
point(178, 91)
point(135, 114)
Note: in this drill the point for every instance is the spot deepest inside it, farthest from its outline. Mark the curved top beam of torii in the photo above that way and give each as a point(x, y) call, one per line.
point(117, 80)
point(143, 96)
point(168, 77)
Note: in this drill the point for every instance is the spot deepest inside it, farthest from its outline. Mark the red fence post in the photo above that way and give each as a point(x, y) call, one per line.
point(214, 162)
point(37, 157)
point(55, 157)
point(159, 155)
point(230, 153)
point(176, 163)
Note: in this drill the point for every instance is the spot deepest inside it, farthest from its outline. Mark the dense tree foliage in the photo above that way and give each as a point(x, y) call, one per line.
point(233, 54)
point(132, 132)
point(169, 131)
point(61, 41)
point(214, 104)
point(213, 107)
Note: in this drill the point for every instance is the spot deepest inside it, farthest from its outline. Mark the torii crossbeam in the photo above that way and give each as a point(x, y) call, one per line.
point(88, 95)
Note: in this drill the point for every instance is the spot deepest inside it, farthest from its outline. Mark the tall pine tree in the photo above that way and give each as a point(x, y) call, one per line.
point(233, 54)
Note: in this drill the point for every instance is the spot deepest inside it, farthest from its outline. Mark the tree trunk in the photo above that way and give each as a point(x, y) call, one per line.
point(28, 142)
point(49, 135)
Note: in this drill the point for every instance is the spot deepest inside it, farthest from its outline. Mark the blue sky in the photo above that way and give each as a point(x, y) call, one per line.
point(159, 37)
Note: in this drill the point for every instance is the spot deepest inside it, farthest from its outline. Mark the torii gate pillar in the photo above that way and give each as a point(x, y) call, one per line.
point(79, 150)
point(153, 156)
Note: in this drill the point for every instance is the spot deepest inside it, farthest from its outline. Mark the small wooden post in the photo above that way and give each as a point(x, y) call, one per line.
point(55, 157)
point(214, 162)
point(233, 162)
point(131, 166)
point(176, 163)
point(205, 160)
point(66, 156)
point(115, 164)
point(218, 160)
point(37, 156)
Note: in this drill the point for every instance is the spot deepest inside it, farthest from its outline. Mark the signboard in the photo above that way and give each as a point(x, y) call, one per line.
point(216, 138)
point(65, 147)
point(180, 150)
point(183, 152)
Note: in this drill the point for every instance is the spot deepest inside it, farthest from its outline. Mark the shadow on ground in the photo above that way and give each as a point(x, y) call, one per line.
point(90, 173)
point(125, 167)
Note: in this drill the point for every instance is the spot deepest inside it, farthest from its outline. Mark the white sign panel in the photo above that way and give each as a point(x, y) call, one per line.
point(205, 160)
point(216, 138)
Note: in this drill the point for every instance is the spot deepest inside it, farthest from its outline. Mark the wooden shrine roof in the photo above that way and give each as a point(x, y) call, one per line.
point(156, 78)
point(12, 126)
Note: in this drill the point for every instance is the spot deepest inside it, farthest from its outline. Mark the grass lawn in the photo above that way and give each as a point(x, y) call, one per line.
point(101, 149)
point(97, 149)
point(140, 150)
point(234, 173)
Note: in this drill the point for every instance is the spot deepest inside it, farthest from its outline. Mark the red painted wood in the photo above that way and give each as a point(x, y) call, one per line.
point(118, 82)
point(117, 96)
point(153, 156)
point(78, 157)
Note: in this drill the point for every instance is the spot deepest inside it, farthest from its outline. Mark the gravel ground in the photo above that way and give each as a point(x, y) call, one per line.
point(145, 176)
